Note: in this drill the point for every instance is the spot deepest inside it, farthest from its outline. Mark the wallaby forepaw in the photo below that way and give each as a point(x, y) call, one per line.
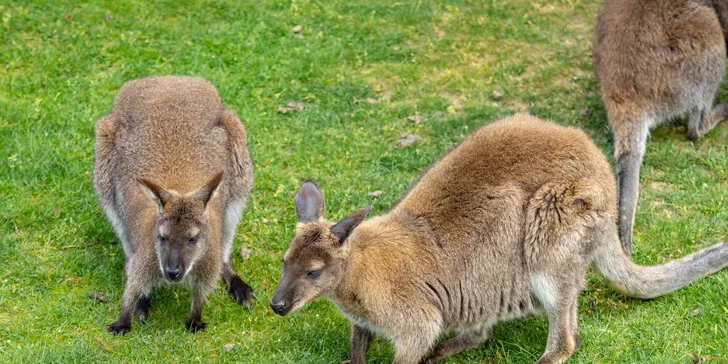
point(119, 327)
point(195, 325)
point(241, 292)
point(142, 308)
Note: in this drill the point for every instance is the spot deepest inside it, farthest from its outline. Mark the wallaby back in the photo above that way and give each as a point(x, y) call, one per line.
point(504, 225)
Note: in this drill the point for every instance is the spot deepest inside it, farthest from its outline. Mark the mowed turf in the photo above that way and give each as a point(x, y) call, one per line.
point(362, 68)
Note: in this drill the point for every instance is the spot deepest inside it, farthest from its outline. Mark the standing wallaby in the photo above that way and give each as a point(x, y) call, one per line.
point(173, 175)
point(504, 225)
point(655, 61)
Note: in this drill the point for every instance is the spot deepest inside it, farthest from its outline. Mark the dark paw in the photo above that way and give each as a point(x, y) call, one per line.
point(241, 292)
point(142, 308)
point(119, 327)
point(195, 325)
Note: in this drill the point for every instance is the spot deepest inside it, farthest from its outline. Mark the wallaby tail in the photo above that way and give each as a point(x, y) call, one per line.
point(640, 281)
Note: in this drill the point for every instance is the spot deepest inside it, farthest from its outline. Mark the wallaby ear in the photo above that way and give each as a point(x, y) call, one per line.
point(156, 193)
point(310, 204)
point(204, 193)
point(343, 228)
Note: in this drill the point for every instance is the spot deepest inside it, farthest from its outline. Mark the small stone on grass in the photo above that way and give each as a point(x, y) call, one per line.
point(375, 194)
point(405, 140)
point(297, 28)
point(415, 119)
point(96, 296)
point(245, 252)
point(496, 95)
point(229, 347)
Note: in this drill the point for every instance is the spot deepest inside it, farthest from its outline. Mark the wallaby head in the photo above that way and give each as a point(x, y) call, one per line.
point(316, 259)
point(182, 226)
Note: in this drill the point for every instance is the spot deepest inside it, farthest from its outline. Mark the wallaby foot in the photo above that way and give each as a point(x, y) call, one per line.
point(142, 308)
point(120, 326)
point(195, 324)
point(459, 343)
point(238, 290)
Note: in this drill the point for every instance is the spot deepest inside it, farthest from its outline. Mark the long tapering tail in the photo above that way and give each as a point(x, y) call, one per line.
point(640, 281)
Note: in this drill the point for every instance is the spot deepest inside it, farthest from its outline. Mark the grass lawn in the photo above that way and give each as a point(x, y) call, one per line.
point(362, 67)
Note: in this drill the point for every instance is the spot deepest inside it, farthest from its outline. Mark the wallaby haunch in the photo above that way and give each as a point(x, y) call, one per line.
point(656, 60)
point(504, 225)
point(173, 175)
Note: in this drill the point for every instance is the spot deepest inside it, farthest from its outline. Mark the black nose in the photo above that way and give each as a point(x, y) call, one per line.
point(172, 273)
point(278, 307)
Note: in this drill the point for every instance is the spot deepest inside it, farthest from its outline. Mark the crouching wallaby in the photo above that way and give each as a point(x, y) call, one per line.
point(173, 175)
point(656, 60)
point(504, 225)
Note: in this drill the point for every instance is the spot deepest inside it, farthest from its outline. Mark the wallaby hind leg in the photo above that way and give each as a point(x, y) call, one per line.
point(701, 121)
point(414, 345)
point(559, 301)
point(629, 148)
point(456, 345)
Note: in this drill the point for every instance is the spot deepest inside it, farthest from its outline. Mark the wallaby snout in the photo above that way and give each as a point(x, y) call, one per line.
point(280, 303)
point(172, 265)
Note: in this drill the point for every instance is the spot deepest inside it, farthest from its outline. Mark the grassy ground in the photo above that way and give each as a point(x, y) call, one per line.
point(61, 64)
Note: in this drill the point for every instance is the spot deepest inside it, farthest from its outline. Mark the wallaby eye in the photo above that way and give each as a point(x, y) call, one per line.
point(193, 240)
point(314, 273)
point(162, 239)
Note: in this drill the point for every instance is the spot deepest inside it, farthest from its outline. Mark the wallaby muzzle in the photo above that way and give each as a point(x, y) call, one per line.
point(281, 303)
point(173, 268)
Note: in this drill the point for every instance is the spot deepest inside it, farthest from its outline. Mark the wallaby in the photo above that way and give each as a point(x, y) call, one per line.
point(655, 61)
point(173, 175)
point(504, 225)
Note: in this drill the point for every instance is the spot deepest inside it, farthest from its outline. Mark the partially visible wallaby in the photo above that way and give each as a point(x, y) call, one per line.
point(504, 225)
point(173, 175)
point(656, 60)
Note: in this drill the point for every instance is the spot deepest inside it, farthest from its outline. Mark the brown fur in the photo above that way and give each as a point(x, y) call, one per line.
point(173, 174)
point(656, 60)
point(504, 225)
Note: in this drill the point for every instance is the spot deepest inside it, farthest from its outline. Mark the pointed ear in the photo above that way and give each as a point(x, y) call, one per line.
point(204, 193)
point(343, 228)
point(157, 194)
point(309, 202)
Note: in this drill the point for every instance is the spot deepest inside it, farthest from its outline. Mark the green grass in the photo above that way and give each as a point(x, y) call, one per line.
point(61, 64)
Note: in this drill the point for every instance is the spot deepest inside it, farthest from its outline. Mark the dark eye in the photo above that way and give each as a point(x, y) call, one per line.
point(193, 240)
point(162, 239)
point(314, 273)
